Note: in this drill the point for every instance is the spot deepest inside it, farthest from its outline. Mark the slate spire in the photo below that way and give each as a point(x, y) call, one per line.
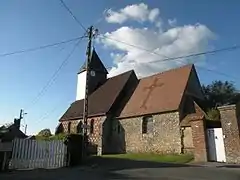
point(95, 64)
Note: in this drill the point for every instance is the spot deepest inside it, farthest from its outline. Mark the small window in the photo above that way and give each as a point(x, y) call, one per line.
point(147, 124)
point(92, 126)
point(69, 127)
point(80, 128)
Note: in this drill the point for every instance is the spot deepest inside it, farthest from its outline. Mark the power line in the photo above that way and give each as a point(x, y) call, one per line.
point(197, 54)
point(71, 13)
point(217, 72)
point(201, 53)
point(54, 76)
point(47, 114)
point(134, 46)
point(231, 48)
point(39, 47)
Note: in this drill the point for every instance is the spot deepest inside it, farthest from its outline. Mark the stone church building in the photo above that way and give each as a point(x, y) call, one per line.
point(161, 113)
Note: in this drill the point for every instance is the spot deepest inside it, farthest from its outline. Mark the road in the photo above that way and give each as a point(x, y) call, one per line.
point(125, 169)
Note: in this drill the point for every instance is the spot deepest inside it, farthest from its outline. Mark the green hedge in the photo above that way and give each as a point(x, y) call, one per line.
point(54, 137)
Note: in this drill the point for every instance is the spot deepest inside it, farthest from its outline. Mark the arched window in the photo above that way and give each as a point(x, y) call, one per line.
point(147, 124)
point(69, 127)
point(80, 128)
point(92, 126)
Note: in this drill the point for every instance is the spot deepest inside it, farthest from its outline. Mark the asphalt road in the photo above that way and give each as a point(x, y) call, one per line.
point(125, 169)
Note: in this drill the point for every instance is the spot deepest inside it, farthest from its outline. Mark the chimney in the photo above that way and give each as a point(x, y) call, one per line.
point(17, 123)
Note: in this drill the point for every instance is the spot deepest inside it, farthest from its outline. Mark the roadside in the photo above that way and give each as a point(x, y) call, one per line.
point(133, 166)
point(174, 158)
point(100, 168)
point(216, 165)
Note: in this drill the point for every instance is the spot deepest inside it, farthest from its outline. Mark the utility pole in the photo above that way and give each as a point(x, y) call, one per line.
point(21, 116)
point(90, 35)
point(88, 59)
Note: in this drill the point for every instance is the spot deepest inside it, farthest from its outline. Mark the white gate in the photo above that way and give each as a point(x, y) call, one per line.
point(216, 145)
point(31, 154)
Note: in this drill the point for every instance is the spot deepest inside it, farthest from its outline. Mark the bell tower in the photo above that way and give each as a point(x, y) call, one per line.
point(97, 76)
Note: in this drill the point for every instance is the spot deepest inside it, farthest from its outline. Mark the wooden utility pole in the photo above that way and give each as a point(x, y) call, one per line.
point(18, 121)
point(21, 115)
point(88, 59)
point(90, 35)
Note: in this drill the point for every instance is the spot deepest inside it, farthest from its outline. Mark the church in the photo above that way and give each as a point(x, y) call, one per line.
point(161, 113)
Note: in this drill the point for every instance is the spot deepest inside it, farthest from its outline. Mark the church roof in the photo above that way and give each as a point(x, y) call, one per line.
point(101, 100)
point(161, 92)
point(95, 64)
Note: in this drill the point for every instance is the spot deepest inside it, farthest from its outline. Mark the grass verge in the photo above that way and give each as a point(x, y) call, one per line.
point(183, 158)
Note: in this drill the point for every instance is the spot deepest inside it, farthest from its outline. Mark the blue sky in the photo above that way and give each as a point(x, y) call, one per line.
point(26, 24)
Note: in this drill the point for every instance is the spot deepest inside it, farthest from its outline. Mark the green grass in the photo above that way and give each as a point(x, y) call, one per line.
point(184, 158)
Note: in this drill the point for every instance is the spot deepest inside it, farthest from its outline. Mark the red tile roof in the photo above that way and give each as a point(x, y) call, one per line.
point(101, 100)
point(158, 93)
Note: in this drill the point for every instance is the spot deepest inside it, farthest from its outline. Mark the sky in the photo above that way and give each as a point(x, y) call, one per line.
point(159, 28)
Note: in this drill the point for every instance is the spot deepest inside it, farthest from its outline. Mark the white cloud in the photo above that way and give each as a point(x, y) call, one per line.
point(153, 14)
point(138, 12)
point(172, 42)
point(172, 22)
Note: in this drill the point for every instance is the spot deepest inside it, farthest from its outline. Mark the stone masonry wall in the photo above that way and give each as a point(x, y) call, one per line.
point(164, 138)
point(230, 127)
point(95, 138)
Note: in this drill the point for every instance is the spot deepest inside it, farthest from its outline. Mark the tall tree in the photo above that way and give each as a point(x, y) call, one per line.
point(220, 93)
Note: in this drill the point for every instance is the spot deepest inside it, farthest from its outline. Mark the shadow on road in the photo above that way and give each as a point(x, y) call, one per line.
point(229, 166)
point(98, 168)
point(114, 164)
point(95, 168)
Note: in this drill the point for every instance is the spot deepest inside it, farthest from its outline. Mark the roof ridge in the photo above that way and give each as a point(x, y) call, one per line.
point(167, 71)
point(122, 74)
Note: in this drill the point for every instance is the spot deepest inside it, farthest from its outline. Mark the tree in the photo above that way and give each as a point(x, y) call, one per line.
point(45, 133)
point(220, 93)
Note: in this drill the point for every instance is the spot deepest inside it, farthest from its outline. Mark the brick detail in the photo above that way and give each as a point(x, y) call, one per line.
point(199, 139)
point(230, 128)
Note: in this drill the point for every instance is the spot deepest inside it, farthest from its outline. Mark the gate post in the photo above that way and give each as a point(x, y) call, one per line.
point(198, 126)
point(230, 126)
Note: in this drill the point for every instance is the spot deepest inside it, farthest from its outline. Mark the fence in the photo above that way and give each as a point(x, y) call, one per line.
point(31, 154)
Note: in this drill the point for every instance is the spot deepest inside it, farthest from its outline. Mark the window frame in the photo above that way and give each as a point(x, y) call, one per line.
point(146, 120)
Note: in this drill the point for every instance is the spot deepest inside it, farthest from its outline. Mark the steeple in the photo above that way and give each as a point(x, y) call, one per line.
point(97, 76)
point(95, 64)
